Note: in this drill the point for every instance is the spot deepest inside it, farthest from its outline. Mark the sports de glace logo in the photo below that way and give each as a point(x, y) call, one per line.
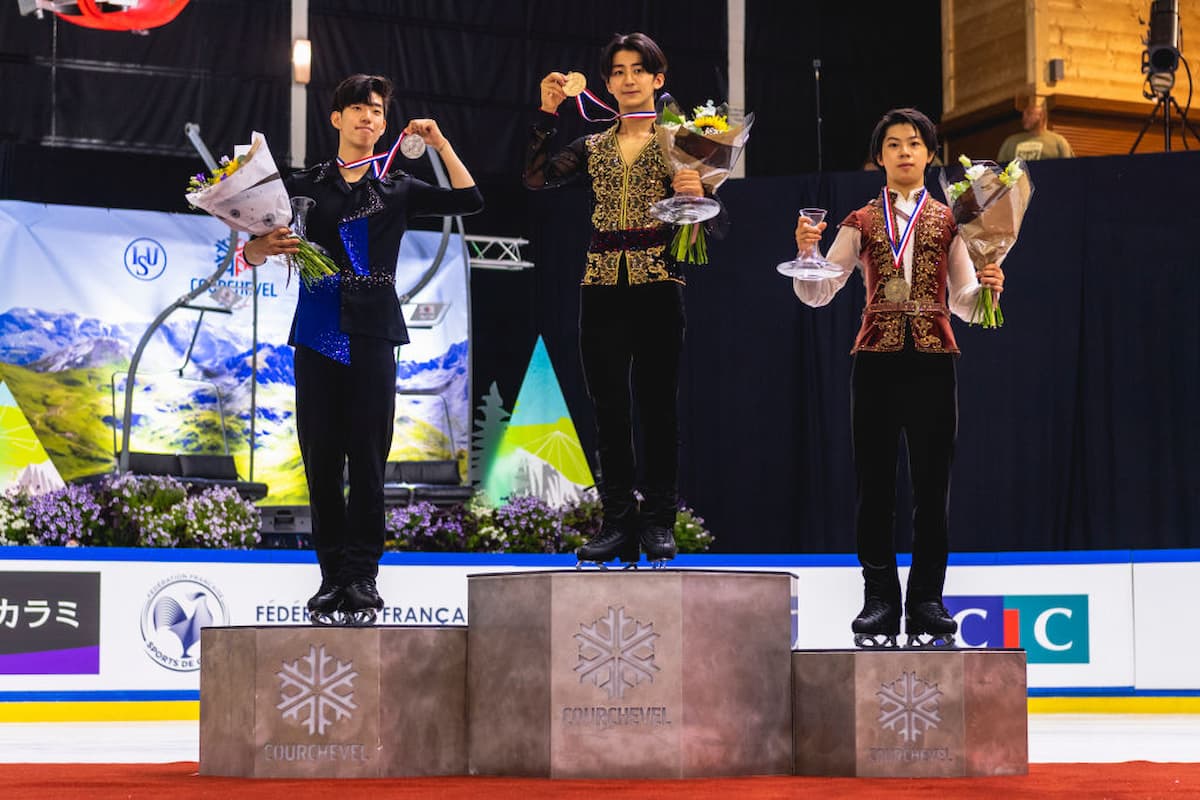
point(145, 259)
point(175, 610)
point(1053, 628)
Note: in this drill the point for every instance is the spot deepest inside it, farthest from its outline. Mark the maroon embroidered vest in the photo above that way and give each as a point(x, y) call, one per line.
point(924, 313)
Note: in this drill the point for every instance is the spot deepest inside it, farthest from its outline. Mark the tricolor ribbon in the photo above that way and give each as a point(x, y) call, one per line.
point(615, 114)
point(889, 221)
point(374, 160)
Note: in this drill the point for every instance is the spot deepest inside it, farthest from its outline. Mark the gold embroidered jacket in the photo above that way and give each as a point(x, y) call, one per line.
point(925, 311)
point(622, 194)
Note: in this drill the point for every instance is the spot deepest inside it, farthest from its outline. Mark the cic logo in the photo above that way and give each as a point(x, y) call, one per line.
point(145, 259)
point(1053, 628)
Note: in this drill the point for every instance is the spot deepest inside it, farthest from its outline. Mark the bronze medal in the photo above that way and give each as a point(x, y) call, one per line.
point(574, 84)
point(896, 290)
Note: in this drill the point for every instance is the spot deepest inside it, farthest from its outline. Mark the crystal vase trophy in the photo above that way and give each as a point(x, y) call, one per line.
point(685, 209)
point(300, 207)
point(810, 265)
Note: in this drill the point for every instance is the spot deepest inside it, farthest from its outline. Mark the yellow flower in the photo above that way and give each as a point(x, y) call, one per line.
point(717, 123)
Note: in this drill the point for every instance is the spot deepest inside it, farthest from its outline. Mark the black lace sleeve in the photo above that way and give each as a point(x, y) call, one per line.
point(544, 170)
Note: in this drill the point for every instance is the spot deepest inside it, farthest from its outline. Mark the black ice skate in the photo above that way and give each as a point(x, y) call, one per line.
point(877, 625)
point(612, 542)
point(929, 625)
point(361, 603)
point(324, 607)
point(658, 543)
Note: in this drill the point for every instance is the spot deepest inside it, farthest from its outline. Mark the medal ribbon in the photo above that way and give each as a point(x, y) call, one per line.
point(615, 115)
point(889, 222)
point(374, 160)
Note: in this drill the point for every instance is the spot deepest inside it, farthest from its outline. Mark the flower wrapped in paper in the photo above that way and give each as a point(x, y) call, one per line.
point(988, 204)
point(710, 144)
point(248, 195)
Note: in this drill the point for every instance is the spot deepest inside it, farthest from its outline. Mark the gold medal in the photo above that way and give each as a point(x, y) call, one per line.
point(896, 290)
point(574, 84)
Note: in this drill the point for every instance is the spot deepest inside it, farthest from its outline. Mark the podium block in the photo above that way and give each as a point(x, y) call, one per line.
point(321, 702)
point(910, 713)
point(630, 674)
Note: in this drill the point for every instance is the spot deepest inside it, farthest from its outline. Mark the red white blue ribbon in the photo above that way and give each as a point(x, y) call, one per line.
point(375, 160)
point(612, 111)
point(889, 221)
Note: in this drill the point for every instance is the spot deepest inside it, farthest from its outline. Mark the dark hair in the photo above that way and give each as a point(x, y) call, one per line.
point(358, 89)
point(903, 116)
point(653, 60)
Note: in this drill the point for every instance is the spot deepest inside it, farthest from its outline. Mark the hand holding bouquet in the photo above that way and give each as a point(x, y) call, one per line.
point(247, 194)
point(709, 144)
point(988, 205)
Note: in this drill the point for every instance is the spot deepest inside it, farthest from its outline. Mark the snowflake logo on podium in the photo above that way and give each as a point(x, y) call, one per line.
point(909, 706)
point(317, 690)
point(616, 652)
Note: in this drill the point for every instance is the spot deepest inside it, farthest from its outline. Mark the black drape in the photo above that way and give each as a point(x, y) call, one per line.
point(1075, 418)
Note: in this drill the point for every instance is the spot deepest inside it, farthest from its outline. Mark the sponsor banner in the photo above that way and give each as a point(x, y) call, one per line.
point(49, 623)
point(1166, 649)
point(81, 286)
point(1075, 621)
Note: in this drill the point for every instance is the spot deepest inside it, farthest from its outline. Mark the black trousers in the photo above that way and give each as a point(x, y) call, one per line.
point(344, 415)
point(630, 341)
point(914, 394)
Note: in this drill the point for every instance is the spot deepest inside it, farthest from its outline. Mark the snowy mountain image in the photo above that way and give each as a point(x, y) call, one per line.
point(37, 479)
point(29, 334)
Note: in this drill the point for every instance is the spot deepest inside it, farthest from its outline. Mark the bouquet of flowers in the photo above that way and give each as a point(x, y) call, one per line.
point(988, 205)
point(247, 194)
point(708, 143)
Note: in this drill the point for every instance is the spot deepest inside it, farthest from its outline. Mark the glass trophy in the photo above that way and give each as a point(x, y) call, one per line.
point(685, 209)
point(810, 265)
point(300, 207)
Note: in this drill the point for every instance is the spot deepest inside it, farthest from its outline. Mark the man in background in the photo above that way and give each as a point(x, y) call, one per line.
point(1036, 142)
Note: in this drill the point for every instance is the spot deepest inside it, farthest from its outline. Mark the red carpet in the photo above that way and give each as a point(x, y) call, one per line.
point(1137, 779)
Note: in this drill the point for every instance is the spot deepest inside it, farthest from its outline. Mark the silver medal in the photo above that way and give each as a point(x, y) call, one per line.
point(412, 146)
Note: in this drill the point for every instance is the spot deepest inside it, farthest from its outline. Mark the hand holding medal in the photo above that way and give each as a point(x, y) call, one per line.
point(419, 133)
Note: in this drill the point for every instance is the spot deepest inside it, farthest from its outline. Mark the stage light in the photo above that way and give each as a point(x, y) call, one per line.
point(301, 60)
point(1160, 59)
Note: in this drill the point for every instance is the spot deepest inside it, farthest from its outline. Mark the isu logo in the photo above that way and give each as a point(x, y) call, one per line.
point(145, 259)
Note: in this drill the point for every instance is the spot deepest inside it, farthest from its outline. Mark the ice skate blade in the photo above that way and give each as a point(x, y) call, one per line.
point(363, 618)
point(323, 620)
point(659, 563)
point(874, 641)
point(930, 641)
point(603, 565)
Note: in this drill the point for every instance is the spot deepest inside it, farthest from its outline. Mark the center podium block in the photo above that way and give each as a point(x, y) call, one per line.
point(629, 674)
